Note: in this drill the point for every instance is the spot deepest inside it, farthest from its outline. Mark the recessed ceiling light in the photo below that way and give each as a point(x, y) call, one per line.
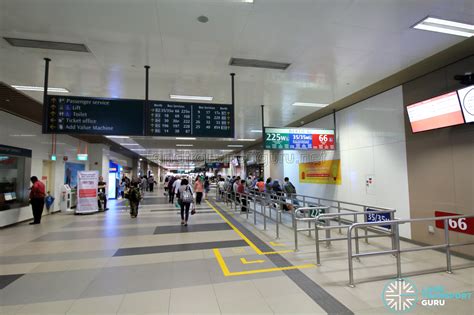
point(39, 89)
point(235, 145)
point(245, 139)
point(191, 97)
point(118, 137)
point(185, 138)
point(256, 130)
point(445, 26)
point(319, 105)
point(185, 145)
point(247, 1)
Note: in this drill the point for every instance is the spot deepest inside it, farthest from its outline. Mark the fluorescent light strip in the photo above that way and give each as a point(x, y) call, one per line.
point(256, 131)
point(191, 97)
point(124, 144)
point(118, 137)
point(235, 146)
point(245, 139)
point(20, 135)
point(227, 150)
point(319, 105)
point(185, 138)
point(446, 27)
point(40, 89)
point(185, 145)
point(138, 149)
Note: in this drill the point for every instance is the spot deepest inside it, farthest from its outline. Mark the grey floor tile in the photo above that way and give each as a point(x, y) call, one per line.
point(111, 232)
point(7, 279)
point(206, 227)
point(19, 259)
point(177, 248)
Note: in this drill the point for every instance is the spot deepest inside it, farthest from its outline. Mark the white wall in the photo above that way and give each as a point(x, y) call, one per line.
point(371, 141)
point(22, 133)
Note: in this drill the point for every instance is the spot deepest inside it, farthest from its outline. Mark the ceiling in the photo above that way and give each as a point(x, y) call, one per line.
point(335, 48)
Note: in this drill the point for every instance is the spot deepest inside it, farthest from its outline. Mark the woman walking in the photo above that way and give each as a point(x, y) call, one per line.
point(198, 188)
point(185, 193)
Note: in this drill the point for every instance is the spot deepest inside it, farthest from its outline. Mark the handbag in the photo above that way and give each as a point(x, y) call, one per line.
point(193, 209)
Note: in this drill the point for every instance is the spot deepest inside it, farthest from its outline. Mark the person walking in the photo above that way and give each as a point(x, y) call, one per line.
point(170, 189)
point(151, 182)
point(198, 188)
point(37, 195)
point(134, 196)
point(185, 193)
point(207, 187)
point(102, 194)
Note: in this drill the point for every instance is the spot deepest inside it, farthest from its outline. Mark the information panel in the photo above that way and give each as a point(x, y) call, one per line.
point(177, 119)
point(86, 115)
point(461, 225)
point(466, 96)
point(299, 139)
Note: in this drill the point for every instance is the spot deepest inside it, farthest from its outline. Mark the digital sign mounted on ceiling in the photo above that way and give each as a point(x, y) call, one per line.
point(177, 119)
point(89, 115)
point(466, 97)
point(99, 116)
point(298, 139)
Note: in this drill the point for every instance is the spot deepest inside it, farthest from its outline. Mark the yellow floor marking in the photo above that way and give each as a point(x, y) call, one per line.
point(276, 244)
point(228, 273)
point(249, 242)
point(246, 262)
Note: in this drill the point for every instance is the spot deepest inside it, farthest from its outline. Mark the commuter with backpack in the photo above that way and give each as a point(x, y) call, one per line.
point(134, 196)
point(185, 199)
point(290, 191)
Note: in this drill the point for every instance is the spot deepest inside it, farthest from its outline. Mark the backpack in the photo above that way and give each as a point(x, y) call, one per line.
point(292, 189)
point(186, 196)
point(134, 194)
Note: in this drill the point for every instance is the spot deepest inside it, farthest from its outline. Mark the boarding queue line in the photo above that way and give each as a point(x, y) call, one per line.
point(316, 213)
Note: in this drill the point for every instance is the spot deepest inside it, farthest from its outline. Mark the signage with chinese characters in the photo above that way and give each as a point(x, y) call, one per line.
point(299, 139)
point(177, 119)
point(461, 225)
point(88, 115)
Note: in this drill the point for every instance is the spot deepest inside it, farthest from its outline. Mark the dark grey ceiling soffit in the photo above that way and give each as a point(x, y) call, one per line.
point(254, 63)
point(43, 44)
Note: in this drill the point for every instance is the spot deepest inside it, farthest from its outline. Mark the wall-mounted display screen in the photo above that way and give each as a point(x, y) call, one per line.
point(299, 139)
point(438, 112)
point(466, 97)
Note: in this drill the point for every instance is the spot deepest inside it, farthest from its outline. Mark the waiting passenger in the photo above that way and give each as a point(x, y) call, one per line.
point(242, 198)
point(37, 195)
point(290, 191)
point(268, 185)
point(260, 185)
point(207, 187)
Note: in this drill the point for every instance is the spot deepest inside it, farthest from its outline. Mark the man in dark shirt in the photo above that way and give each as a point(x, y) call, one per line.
point(37, 195)
point(102, 189)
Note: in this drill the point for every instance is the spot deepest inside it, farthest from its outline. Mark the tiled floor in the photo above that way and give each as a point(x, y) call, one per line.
point(108, 263)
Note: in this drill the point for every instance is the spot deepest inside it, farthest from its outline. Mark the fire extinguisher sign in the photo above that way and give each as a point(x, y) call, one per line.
point(461, 225)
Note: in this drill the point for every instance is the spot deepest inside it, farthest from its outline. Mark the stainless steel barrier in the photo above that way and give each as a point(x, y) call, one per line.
point(396, 241)
point(300, 215)
point(326, 217)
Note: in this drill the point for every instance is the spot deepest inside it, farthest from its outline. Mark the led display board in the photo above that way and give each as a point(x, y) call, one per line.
point(298, 139)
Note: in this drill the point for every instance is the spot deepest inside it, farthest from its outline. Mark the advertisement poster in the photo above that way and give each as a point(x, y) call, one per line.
point(70, 173)
point(321, 172)
point(87, 191)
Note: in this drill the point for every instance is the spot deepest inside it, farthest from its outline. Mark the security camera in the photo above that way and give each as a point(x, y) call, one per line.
point(465, 79)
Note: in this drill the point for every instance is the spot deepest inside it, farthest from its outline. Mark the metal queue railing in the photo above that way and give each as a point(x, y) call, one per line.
point(396, 250)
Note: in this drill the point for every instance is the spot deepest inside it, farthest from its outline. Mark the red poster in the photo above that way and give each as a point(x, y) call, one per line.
point(323, 142)
point(462, 225)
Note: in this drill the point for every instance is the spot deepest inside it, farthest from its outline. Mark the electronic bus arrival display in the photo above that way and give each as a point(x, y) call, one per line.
point(299, 139)
point(100, 116)
point(86, 115)
point(177, 119)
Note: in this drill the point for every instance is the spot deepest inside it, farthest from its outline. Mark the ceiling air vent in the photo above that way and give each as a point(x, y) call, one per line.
point(42, 44)
point(253, 63)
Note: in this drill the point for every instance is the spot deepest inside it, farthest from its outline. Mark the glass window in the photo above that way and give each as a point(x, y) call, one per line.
point(14, 177)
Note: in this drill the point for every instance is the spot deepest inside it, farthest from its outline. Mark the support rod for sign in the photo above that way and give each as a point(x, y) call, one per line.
point(335, 125)
point(263, 124)
point(45, 93)
point(147, 69)
point(232, 75)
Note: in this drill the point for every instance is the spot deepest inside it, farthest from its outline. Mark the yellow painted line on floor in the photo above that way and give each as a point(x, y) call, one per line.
point(247, 262)
point(228, 273)
point(249, 242)
point(276, 244)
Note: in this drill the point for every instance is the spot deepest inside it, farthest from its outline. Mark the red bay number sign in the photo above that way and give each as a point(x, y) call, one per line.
point(462, 225)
